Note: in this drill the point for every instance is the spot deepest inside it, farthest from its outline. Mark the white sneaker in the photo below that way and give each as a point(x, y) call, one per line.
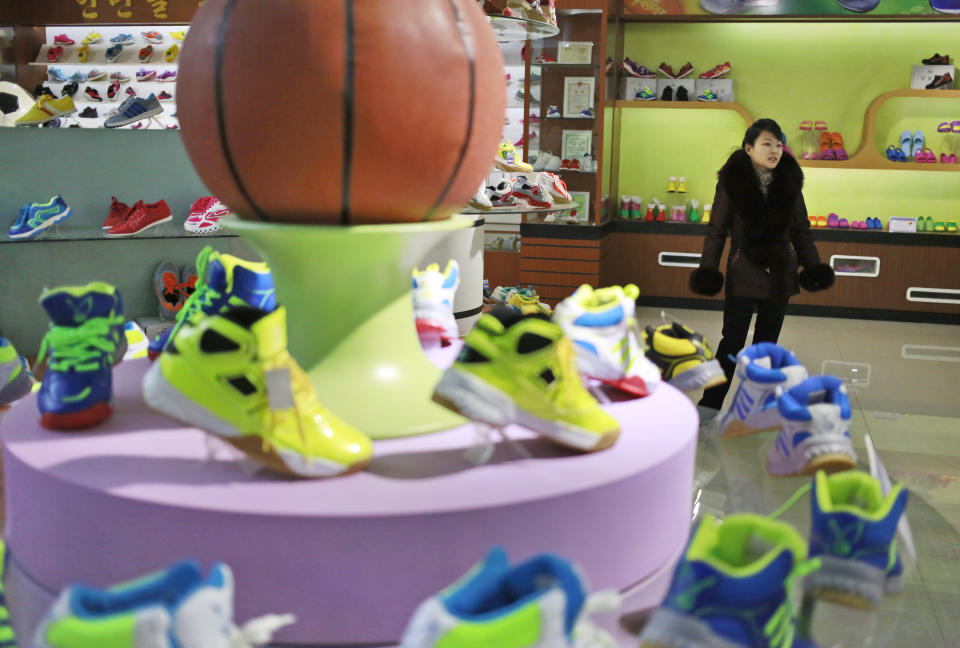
point(815, 432)
point(552, 112)
point(176, 607)
point(503, 293)
point(553, 164)
point(554, 185)
point(761, 368)
point(480, 199)
point(602, 325)
point(433, 293)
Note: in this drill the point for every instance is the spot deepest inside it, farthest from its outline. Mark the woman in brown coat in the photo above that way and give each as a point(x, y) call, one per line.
point(759, 205)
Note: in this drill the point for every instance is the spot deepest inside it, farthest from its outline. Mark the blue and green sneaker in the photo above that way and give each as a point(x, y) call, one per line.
point(36, 217)
point(224, 282)
point(179, 607)
point(85, 339)
point(538, 603)
point(731, 588)
point(853, 534)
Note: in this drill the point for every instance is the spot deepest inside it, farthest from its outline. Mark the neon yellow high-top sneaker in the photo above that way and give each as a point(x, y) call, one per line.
point(231, 375)
point(521, 369)
point(16, 381)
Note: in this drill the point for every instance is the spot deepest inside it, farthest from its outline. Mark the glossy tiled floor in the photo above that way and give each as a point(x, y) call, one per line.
point(904, 384)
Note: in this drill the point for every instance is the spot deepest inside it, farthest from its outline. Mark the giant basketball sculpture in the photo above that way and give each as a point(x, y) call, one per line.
point(379, 117)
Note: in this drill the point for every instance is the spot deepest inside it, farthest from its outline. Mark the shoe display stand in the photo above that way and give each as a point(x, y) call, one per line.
point(128, 63)
point(131, 166)
point(352, 556)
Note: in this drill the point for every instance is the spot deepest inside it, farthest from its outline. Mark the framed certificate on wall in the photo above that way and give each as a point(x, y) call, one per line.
point(575, 144)
point(577, 95)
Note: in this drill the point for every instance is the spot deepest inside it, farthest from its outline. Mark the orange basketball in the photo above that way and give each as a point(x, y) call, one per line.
point(341, 111)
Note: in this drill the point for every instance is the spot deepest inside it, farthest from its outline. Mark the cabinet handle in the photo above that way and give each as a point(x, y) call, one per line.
point(679, 259)
point(846, 265)
point(934, 295)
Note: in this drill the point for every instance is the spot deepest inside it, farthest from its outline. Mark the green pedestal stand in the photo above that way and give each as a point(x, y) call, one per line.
point(350, 318)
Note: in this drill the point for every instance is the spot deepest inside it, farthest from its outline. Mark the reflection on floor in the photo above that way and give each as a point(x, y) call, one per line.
point(904, 382)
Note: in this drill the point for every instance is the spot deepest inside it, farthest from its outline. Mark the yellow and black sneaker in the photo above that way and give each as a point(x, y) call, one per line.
point(684, 357)
point(521, 369)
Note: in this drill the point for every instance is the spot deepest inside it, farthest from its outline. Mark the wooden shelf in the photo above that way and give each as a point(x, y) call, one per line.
point(868, 157)
point(687, 105)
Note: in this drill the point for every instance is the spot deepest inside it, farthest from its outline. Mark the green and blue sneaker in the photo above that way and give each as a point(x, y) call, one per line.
point(175, 608)
point(853, 534)
point(731, 588)
point(16, 381)
point(85, 339)
point(521, 369)
point(540, 603)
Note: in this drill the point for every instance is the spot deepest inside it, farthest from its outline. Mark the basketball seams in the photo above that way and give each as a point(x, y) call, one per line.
point(460, 20)
point(348, 112)
point(219, 104)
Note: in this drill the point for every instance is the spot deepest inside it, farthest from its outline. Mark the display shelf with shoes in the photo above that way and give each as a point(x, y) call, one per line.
point(871, 153)
point(517, 28)
point(686, 105)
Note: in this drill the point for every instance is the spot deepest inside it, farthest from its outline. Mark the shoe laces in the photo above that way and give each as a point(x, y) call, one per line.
point(203, 294)
point(259, 631)
point(22, 216)
point(781, 628)
point(586, 634)
point(301, 391)
point(171, 284)
point(567, 391)
point(79, 347)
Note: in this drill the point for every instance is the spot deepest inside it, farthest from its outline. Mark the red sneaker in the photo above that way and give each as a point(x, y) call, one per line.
point(141, 216)
point(543, 58)
point(54, 54)
point(63, 39)
point(685, 70)
point(117, 212)
point(113, 90)
point(667, 71)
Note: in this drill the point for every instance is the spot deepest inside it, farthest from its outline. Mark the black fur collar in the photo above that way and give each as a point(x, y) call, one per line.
point(766, 219)
point(740, 180)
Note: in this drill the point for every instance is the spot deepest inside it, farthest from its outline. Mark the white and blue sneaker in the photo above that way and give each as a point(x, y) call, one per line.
point(433, 294)
point(175, 608)
point(78, 77)
point(603, 327)
point(816, 429)
point(122, 39)
point(36, 217)
point(540, 603)
point(761, 368)
point(56, 75)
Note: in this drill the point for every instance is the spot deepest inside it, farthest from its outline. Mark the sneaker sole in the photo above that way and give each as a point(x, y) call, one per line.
point(851, 583)
point(142, 229)
point(163, 397)
point(476, 399)
point(703, 376)
point(736, 429)
point(83, 419)
point(831, 454)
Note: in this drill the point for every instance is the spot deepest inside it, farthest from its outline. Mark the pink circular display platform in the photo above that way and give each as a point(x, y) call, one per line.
point(351, 557)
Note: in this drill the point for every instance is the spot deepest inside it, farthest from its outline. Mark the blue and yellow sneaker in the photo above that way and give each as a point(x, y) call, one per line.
point(16, 381)
point(32, 219)
point(683, 356)
point(854, 535)
point(761, 368)
point(540, 602)
point(224, 281)
point(731, 588)
point(85, 339)
point(137, 343)
point(175, 608)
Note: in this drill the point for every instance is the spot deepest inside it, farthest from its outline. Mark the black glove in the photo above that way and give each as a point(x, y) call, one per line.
point(706, 281)
point(816, 277)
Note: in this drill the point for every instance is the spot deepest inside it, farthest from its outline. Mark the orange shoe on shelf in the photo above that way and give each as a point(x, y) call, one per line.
point(821, 221)
point(836, 143)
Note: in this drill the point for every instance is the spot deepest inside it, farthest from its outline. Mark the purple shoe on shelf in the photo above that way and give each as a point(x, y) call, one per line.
point(833, 221)
point(946, 6)
point(167, 77)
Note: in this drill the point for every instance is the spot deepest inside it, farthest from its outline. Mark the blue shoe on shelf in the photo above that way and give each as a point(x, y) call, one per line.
point(859, 6)
point(853, 533)
point(85, 339)
point(906, 144)
point(32, 219)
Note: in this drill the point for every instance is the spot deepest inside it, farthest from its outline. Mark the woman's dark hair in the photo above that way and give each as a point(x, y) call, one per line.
point(759, 126)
